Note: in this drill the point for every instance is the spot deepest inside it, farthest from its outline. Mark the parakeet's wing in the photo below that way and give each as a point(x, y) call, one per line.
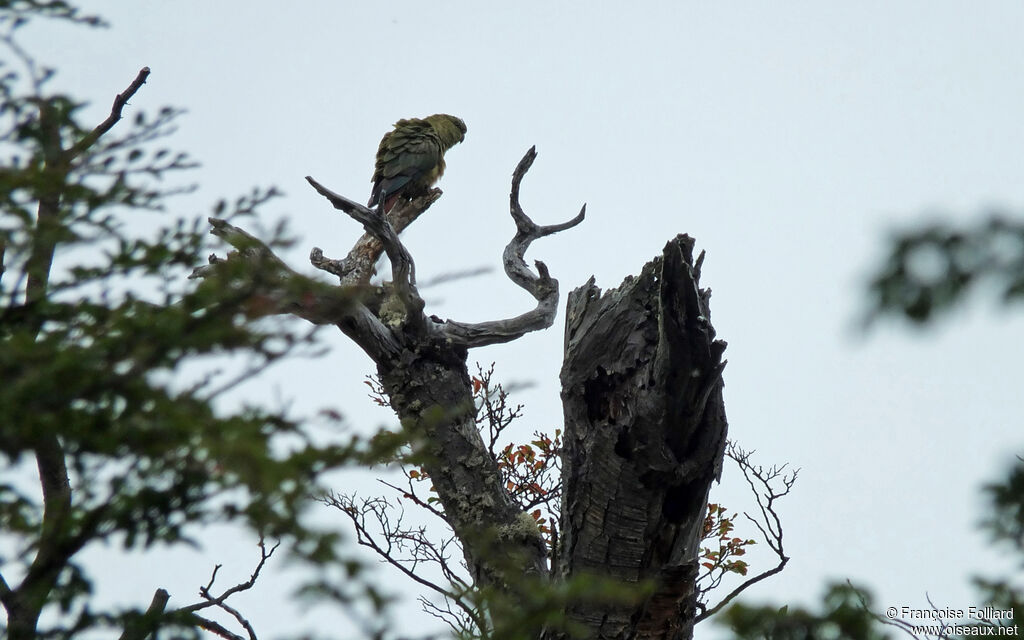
point(409, 152)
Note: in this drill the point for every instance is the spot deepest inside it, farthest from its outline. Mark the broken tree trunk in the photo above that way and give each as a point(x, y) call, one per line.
point(645, 432)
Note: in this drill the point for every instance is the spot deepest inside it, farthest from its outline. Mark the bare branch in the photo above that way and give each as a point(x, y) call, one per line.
point(762, 483)
point(240, 618)
point(213, 627)
point(402, 267)
point(357, 266)
point(210, 600)
point(542, 287)
point(410, 494)
point(459, 621)
point(115, 114)
point(393, 534)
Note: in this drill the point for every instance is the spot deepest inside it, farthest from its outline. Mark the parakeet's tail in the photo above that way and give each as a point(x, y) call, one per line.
point(389, 202)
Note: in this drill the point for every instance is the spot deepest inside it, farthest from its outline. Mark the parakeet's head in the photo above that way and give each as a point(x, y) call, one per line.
point(450, 130)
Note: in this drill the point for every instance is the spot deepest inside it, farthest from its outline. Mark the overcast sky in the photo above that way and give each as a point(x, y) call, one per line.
point(787, 141)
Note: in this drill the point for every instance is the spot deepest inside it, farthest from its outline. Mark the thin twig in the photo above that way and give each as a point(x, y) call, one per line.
point(771, 530)
point(115, 114)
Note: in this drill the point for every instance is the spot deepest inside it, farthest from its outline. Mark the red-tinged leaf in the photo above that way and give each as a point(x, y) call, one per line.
point(414, 474)
point(536, 514)
point(510, 485)
point(707, 565)
point(477, 383)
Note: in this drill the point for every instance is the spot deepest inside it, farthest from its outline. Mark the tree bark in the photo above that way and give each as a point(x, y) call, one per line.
point(645, 426)
point(645, 433)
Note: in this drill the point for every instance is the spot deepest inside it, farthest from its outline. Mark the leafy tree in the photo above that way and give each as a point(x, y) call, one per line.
point(96, 321)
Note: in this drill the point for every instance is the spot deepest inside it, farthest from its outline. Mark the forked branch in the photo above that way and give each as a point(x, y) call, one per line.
point(357, 267)
point(402, 267)
point(768, 485)
point(541, 286)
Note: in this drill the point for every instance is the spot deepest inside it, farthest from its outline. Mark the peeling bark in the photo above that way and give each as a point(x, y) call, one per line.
point(645, 432)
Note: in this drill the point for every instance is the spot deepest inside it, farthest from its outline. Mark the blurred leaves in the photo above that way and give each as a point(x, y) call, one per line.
point(845, 614)
point(1007, 520)
point(20, 11)
point(114, 361)
point(928, 270)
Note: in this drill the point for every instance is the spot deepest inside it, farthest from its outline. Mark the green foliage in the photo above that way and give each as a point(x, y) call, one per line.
point(847, 611)
point(845, 614)
point(928, 271)
point(98, 327)
point(1007, 520)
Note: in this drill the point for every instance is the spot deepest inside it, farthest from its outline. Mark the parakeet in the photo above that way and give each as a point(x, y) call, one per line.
point(410, 158)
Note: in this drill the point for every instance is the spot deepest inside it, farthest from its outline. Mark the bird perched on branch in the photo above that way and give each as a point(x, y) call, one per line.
point(410, 158)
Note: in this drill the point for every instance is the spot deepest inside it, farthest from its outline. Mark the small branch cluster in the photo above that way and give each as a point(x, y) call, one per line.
point(532, 471)
point(156, 615)
point(220, 601)
point(768, 484)
point(379, 526)
point(529, 472)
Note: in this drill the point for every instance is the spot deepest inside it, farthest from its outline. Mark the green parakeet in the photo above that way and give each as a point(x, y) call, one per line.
point(410, 158)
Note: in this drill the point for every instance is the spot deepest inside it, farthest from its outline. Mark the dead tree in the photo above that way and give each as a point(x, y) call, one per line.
point(645, 433)
point(645, 426)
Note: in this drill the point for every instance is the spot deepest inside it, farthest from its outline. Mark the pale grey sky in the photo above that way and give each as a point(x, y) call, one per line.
point(786, 138)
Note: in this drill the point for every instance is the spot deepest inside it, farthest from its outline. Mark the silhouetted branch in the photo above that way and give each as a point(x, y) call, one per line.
point(209, 600)
point(403, 269)
point(115, 114)
point(542, 286)
point(394, 537)
point(188, 615)
point(767, 485)
point(357, 266)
